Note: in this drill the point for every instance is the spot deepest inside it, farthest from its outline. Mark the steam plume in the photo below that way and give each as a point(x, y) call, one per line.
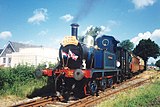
point(85, 9)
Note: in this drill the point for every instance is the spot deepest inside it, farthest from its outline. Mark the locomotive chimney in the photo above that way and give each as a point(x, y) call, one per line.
point(74, 29)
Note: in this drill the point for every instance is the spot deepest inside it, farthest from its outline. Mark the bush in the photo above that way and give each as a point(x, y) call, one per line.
point(19, 80)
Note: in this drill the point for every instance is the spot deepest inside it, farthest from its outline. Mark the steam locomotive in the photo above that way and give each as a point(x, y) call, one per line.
point(92, 65)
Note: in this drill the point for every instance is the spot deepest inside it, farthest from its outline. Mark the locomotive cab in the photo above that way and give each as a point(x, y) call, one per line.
point(104, 56)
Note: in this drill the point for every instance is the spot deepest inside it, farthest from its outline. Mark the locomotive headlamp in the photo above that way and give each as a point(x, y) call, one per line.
point(78, 74)
point(118, 64)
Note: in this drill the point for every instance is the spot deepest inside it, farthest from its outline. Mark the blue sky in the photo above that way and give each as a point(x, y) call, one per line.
point(46, 22)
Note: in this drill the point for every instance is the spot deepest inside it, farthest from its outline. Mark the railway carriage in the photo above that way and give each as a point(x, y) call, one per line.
point(134, 66)
point(141, 64)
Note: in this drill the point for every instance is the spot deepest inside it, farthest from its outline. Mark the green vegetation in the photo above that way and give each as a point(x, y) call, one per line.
point(127, 44)
point(93, 31)
point(157, 63)
point(146, 49)
point(19, 81)
point(139, 97)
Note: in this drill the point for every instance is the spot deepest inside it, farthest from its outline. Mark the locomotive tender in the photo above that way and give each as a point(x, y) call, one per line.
point(84, 68)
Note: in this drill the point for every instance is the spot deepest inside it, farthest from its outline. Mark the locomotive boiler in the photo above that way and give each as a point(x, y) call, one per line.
point(73, 54)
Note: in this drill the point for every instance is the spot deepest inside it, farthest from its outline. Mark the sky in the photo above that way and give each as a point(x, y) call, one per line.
point(46, 22)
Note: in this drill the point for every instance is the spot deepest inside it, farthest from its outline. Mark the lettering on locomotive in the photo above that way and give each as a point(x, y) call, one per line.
point(67, 40)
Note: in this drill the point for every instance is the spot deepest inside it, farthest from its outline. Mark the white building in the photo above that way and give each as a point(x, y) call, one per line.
point(18, 53)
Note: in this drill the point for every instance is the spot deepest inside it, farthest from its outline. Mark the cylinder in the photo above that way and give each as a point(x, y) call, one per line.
point(74, 29)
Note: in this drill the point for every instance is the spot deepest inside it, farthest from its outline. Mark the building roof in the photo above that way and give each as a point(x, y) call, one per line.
point(16, 46)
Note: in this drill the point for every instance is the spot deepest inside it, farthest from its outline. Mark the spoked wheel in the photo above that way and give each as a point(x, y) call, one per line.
point(103, 84)
point(121, 78)
point(130, 75)
point(66, 96)
point(79, 91)
point(51, 85)
point(93, 87)
point(124, 77)
point(110, 82)
point(61, 88)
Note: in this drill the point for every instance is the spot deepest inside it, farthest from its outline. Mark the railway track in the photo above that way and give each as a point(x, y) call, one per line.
point(92, 101)
point(87, 101)
point(40, 102)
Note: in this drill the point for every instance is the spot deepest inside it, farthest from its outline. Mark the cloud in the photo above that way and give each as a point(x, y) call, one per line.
point(113, 22)
point(5, 34)
point(39, 15)
point(155, 35)
point(139, 4)
point(43, 33)
point(105, 29)
point(67, 17)
point(152, 60)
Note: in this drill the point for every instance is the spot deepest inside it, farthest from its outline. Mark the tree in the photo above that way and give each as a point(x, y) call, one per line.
point(146, 49)
point(126, 44)
point(157, 63)
point(94, 31)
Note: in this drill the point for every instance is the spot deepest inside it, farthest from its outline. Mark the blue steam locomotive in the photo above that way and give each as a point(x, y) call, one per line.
point(88, 66)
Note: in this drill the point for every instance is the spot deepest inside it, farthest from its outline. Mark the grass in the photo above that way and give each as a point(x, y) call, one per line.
point(138, 97)
point(22, 90)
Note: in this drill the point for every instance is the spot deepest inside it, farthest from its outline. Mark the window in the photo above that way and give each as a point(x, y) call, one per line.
point(9, 60)
point(4, 60)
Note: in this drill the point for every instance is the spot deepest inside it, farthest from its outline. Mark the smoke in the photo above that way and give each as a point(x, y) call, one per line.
point(85, 9)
